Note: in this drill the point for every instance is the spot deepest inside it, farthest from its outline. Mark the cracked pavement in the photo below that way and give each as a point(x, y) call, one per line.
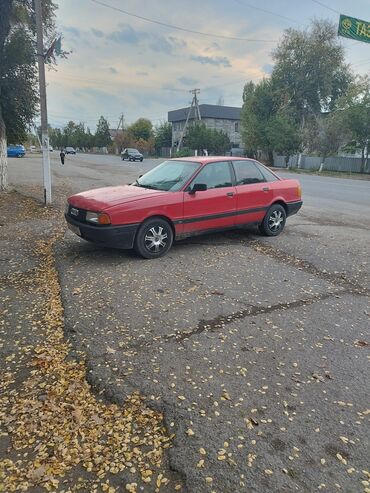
point(255, 349)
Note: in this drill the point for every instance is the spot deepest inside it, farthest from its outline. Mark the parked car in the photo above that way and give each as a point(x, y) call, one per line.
point(33, 149)
point(70, 150)
point(182, 197)
point(16, 150)
point(131, 155)
point(51, 148)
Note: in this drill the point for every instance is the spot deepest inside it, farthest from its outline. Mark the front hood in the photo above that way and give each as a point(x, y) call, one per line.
point(104, 198)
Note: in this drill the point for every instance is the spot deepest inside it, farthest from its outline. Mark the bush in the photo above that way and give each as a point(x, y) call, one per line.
point(184, 152)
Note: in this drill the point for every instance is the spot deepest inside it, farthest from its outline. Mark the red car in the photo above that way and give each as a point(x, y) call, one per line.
point(182, 197)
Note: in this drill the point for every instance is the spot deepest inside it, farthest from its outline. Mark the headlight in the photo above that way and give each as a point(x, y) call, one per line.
point(98, 217)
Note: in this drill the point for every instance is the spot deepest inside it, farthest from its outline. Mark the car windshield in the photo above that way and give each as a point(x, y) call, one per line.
point(170, 176)
point(133, 150)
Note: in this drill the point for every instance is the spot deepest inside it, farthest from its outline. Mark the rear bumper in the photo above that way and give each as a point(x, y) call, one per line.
point(111, 236)
point(293, 207)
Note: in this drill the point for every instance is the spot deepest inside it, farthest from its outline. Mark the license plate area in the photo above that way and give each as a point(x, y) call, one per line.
point(74, 229)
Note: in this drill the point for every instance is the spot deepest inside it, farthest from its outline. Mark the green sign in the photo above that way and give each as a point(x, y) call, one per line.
point(349, 27)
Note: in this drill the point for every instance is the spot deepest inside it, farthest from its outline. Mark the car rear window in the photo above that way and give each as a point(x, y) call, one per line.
point(269, 176)
point(247, 173)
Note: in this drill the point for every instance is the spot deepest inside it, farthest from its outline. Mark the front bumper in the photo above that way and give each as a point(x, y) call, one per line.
point(293, 207)
point(110, 236)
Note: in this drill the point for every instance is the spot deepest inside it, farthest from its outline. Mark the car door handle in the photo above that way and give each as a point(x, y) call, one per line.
point(230, 194)
point(265, 189)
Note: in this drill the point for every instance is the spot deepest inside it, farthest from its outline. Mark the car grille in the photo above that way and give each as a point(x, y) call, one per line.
point(76, 213)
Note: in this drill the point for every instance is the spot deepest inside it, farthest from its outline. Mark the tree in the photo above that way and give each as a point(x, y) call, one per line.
point(18, 71)
point(141, 129)
point(219, 142)
point(258, 109)
point(310, 73)
point(325, 135)
point(163, 136)
point(199, 137)
point(102, 135)
point(354, 109)
point(283, 135)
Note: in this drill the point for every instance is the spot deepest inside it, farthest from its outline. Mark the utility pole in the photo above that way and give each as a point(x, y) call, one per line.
point(43, 107)
point(121, 122)
point(195, 105)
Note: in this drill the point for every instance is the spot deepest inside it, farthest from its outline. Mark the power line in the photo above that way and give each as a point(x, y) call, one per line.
point(266, 11)
point(211, 35)
point(326, 6)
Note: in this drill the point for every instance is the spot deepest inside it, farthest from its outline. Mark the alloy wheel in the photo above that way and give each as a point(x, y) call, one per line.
point(275, 221)
point(155, 239)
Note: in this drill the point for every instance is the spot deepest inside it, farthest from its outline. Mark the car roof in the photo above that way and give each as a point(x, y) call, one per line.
point(211, 159)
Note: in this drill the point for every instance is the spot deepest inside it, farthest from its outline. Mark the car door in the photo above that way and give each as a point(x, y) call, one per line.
point(215, 207)
point(253, 192)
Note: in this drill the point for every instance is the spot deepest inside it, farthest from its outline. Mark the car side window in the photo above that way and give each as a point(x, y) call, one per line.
point(247, 172)
point(266, 173)
point(214, 175)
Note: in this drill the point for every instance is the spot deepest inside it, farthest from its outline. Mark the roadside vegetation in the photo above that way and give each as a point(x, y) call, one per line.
point(312, 102)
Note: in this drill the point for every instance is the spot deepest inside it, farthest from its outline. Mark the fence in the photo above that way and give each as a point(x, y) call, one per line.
point(332, 163)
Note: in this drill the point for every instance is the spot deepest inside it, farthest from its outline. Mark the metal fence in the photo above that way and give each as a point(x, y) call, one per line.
point(332, 163)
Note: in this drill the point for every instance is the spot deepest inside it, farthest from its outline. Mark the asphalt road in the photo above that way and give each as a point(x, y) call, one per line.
point(255, 349)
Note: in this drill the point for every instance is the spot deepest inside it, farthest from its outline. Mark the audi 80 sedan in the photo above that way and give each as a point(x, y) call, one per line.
point(182, 197)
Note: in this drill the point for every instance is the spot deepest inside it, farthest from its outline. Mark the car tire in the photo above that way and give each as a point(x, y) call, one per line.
point(274, 221)
point(149, 237)
point(19, 155)
point(141, 160)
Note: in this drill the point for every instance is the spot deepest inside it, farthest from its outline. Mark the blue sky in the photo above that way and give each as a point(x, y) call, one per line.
point(122, 64)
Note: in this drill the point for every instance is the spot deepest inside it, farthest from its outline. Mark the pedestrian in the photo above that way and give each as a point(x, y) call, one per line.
point(62, 155)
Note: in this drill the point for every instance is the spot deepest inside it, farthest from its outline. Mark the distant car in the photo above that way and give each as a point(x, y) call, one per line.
point(51, 149)
point(131, 155)
point(33, 149)
point(16, 150)
point(70, 150)
point(183, 197)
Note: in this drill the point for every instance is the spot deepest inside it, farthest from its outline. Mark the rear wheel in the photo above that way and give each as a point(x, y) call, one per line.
point(154, 238)
point(274, 221)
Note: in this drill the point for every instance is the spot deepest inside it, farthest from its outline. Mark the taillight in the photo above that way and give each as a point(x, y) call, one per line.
point(299, 191)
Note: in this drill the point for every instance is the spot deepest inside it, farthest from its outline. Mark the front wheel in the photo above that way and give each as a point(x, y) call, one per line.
point(154, 238)
point(141, 159)
point(274, 221)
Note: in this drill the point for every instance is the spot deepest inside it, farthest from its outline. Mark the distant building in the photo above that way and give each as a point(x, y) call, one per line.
point(225, 118)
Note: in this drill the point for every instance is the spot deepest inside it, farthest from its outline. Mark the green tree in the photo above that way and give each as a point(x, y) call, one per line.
point(141, 129)
point(199, 137)
point(354, 109)
point(162, 136)
point(18, 71)
point(310, 73)
point(219, 142)
point(56, 137)
point(258, 109)
point(283, 134)
point(325, 135)
point(102, 135)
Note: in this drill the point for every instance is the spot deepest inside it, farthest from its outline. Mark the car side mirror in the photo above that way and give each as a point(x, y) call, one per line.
point(140, 176)
point(198, 187)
